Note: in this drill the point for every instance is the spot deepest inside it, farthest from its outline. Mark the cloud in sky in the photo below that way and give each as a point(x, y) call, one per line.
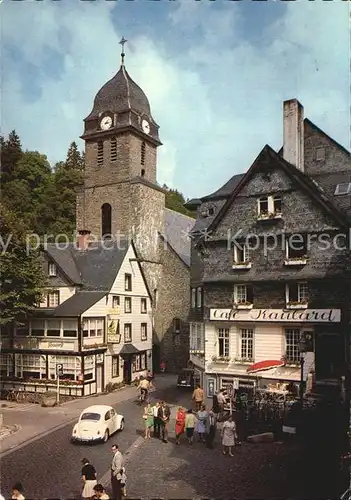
point(215, 76)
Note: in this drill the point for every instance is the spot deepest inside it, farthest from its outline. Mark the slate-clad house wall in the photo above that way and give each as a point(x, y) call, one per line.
point(308, 206)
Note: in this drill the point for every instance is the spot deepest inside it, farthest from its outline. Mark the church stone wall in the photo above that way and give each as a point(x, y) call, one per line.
point(173, 304)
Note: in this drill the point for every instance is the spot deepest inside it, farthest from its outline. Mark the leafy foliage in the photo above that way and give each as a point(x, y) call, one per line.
point(175, 201)
point(21, 275)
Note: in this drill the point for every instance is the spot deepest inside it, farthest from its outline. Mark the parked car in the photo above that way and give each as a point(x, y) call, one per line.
point(97, 423)
point(186, 378)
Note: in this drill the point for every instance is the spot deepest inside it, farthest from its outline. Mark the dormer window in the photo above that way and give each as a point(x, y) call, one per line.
point(241, 256)
point(52, 269)
point(128, 282)
point(269, 207)
point(296, 250)
point(100, 153)
point(320, 154)
point(342, 189)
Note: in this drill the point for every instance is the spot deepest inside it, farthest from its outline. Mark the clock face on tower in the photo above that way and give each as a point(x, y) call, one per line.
point(106, 123)
point(145, 126)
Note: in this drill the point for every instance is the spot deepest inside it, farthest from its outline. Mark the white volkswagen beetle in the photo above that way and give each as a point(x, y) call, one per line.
point(97, 423)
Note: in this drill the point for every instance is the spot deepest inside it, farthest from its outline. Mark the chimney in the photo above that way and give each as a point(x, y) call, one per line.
point(293, 147)
point(83, 239)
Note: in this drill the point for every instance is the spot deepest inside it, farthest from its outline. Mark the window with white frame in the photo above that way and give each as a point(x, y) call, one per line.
point(6, 365)
point(71, 366)
point(52, 269)
point(89, 368)
point(292, 345)
point(143, 331)
point(53, 328)
point(31, 366)
point(199, 297)
point(296, 246)
point(246, 344)
point(193, 298)
point(223, 342)
point(143, 306)
point(243, 294)
point(93, 327)
point(270, 205)
point(69, 328)
point(115, 366)
point(127, 332)
point(54, 299)
point(297, 293)
point(127, 304)
point(115, 301)
point(139, 362)
point(241, 253)
point(37, 327)
point(143, 361)
point(197, 337)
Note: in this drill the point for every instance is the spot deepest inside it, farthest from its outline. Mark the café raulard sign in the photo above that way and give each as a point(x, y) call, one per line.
point(277, 315)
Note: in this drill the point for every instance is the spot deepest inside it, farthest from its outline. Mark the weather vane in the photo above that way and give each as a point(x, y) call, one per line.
point(122, 42)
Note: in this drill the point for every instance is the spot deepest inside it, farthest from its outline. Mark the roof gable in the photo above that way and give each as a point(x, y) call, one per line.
point(267, 159)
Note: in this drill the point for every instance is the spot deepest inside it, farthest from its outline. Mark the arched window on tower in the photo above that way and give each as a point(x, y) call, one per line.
point(113, 149)
point(100, 153)
point(142, 153)
point(142, 173)
point(106, 221)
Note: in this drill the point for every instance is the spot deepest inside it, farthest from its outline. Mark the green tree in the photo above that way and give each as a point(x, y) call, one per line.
point(25, 193)
point(175, 201)
point(22, 277)
point(11, 152)
point(74, 159)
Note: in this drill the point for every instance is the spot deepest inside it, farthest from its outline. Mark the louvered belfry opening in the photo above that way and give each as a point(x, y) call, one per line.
point(100, 153)
point(113, 150)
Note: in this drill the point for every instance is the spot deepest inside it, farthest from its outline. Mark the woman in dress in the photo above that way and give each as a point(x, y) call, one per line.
point(202, 417)
point(180, 423)
point(190, 422)
point(88, 478)
point(228, 436)
point(149, 420)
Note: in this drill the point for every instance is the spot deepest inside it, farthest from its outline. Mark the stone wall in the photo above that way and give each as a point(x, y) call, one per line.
point(174, 301)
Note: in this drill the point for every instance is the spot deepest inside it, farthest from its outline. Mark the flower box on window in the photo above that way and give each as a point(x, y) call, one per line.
point(242, 305)
point(269, 216)
point(242, 265)
point(243, 361)
point(297, 305)
point(221, 359)
point(296, 261)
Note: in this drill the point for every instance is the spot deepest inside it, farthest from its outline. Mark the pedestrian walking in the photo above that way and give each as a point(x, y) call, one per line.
point(198, 397)
point(211, 429)
point(149, 420)
point(157, 420)
point(100, 492)
point(190, 422)
point(116, 473)
point(180, 423)
point(88, 478)
point(164, 414)
point(17, 492)
point(228, 436)
point(202, 417)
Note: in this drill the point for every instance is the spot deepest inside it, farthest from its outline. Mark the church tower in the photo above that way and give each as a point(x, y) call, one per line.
point(120, 196)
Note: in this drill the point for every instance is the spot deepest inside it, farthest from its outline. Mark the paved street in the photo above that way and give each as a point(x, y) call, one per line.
point(50, 466)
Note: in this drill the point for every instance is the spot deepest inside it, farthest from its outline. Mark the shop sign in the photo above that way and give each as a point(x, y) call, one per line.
point(277, 315)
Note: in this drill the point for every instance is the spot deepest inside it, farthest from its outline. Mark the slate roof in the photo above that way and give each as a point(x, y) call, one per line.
point(177, 230)
point(96, 268)
point(120, 94)
point(226, 190)
point(78, 303)
point(128, 349)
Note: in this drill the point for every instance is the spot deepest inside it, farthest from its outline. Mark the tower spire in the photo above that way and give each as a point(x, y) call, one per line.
point(122, 42)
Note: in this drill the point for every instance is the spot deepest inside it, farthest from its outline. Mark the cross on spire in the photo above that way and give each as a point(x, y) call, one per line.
point(122, 42)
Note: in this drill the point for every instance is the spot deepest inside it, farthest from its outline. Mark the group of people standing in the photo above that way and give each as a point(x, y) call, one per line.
point(157, 418)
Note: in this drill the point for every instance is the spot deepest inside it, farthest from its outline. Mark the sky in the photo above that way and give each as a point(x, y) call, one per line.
point(216, 74)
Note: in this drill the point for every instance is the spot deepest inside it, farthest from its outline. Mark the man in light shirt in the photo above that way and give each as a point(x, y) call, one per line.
point(116, 473)
point(144, 387)
point(157, 420)
point(198, 397)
